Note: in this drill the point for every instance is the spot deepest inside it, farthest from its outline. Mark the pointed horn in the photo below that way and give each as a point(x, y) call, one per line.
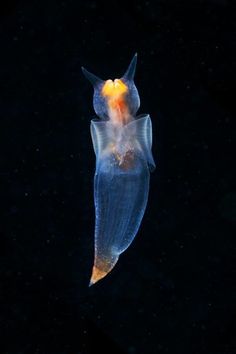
point(129, 74)
point(95, 80)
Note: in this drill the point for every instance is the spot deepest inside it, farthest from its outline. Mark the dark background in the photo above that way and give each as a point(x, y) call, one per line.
point(173, 290)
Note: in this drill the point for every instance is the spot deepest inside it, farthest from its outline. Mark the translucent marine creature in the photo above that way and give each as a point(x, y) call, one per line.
point(122, 143)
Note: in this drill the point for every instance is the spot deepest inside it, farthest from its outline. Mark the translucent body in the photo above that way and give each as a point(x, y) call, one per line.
point(122, 143)
point(121, 185)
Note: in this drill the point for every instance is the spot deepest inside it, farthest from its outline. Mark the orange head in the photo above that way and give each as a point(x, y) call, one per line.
point(115, 99)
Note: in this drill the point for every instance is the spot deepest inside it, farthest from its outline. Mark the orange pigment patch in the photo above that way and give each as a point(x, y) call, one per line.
point(114, 88)
point(97, 274)
point(117, 103)
point(115, 91)
point(126, 162)
point(101, 268)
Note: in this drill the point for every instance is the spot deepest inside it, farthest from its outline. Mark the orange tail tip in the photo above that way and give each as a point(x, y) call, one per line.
point(97, 274)
point(102, 267)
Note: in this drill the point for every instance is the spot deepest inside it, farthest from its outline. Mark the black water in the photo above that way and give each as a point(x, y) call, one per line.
point(173, 290)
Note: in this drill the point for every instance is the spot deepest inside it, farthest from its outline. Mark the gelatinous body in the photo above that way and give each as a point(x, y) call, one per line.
point(122, 144)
